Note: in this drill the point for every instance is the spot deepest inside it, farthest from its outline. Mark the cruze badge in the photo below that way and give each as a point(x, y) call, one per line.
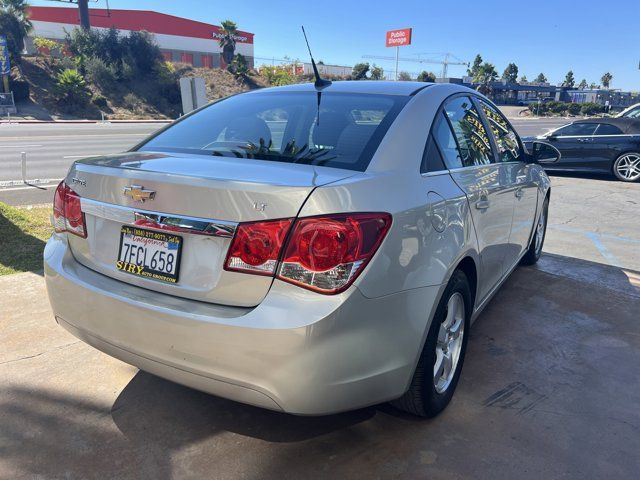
point(138, 193)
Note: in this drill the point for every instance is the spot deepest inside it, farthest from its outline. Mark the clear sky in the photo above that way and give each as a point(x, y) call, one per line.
point(589, 37)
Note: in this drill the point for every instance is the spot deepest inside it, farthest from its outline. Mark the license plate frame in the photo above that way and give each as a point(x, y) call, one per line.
point(173, 245)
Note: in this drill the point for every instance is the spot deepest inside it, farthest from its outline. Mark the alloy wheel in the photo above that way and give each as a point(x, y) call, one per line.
point(542, 224)
point(449, 344)
point(628, 167)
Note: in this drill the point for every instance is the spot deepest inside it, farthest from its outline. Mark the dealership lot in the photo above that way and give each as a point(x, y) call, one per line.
point(549, 388)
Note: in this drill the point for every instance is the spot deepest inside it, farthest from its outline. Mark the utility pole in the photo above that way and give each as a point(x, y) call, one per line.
point(83, 7)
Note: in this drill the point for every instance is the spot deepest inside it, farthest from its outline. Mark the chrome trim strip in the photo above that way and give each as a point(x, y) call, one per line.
point(181, 223)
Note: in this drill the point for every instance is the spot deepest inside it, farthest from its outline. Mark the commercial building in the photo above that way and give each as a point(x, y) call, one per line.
point(180, 39)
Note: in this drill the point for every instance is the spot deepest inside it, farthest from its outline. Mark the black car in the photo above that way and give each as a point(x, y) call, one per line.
point(599, 145)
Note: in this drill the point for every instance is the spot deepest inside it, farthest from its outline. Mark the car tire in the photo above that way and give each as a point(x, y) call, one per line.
point(537, 240)
point(626, 168)
point(430, 392)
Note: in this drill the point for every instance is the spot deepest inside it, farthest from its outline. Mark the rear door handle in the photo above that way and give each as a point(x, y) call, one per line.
point(519, 193)
point(482, 204)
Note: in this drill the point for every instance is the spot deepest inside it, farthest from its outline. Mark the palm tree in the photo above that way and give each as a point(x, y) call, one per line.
point(606, 79)
point(228, 40)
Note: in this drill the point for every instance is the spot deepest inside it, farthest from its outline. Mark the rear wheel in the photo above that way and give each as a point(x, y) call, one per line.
point(627, 167)
point(535, 248)
point(440, 363)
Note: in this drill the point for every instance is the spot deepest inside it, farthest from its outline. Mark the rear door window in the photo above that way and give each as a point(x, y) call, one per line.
point(509, 149)
point(607, 129)
point(577, 129)
point(473, 141)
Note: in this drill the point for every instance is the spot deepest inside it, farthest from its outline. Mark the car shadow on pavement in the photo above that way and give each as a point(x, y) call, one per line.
point(189, 414)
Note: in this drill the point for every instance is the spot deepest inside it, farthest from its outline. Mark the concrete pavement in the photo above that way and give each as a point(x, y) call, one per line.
point(549, 389)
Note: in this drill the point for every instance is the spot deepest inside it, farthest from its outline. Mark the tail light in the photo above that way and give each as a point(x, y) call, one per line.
point(67, 212)
point(256, 247)
point(324, 254)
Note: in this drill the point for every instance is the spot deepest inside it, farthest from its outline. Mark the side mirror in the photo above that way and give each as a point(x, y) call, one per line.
point(542, 152)
point(551, 137)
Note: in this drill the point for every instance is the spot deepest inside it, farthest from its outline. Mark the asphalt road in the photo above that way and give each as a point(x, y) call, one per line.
point(52, 148)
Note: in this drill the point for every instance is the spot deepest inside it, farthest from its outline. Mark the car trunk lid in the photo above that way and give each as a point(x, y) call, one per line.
point(199, 199)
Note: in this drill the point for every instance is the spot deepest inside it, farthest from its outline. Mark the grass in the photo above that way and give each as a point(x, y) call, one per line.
point(23, 233)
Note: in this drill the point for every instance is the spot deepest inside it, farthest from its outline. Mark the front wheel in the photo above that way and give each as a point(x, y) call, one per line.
point(535, 248)
point(440, 364)
point(627, 167)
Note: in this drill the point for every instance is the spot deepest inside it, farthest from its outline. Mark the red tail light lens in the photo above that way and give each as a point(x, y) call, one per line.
point(326, 254)
point(67, 212)
point(256, 246)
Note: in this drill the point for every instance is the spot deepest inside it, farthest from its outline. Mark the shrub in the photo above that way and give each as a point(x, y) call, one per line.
point(99, 101)
point(20, 89)
point(539, 108)
point(46, 46)
point(573, 109)
point(142, 51)
point(278, 75)
point(131, 101)
point(557, 108)
point(71, 87)
point(239, 65)
point(591, 108)
point(100, 73)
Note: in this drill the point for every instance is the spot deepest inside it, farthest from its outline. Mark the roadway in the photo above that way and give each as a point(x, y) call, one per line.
point(52, 148)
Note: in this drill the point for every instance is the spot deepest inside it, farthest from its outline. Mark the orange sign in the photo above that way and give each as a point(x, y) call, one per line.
point(399, 38)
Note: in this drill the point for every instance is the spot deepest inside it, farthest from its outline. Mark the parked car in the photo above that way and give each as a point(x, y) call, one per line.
point(326, 261)
point(598, 145)
point(632, 112)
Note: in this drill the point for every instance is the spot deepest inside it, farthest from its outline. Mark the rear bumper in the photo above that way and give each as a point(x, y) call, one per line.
point(297, 351)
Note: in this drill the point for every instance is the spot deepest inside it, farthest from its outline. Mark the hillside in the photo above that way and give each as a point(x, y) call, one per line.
point(131, 99)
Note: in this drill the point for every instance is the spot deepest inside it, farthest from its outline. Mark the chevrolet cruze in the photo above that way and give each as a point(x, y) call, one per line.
point(303, 249)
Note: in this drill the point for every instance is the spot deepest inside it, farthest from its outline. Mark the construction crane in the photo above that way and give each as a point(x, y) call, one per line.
point(445, 63)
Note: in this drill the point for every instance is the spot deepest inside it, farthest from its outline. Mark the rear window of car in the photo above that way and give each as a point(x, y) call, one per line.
point(608, 129)
point(332, 129)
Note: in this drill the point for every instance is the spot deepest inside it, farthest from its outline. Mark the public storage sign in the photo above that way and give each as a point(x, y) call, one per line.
point(399, 38)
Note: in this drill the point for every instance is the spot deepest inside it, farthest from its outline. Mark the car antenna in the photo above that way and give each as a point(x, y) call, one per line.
point(320, 82)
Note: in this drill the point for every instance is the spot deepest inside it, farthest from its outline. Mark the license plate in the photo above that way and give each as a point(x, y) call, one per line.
point(149, 254)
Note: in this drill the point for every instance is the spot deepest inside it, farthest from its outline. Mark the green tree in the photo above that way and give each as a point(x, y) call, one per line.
point(510, 74)
point(606, 80)
point(569, 80)
point(20, 10)
point(484, 76)
point(404, 77)
point(228, 40)
point(10, 27)
point(583, 84)
point(540, 78)
point(360, 71)
point(425, 76)
point(523, 79)
point(594, 86)
point(377, 73)
point(477, 62)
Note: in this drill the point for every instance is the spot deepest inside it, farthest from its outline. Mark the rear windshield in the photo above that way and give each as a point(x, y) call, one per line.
point(343, 132)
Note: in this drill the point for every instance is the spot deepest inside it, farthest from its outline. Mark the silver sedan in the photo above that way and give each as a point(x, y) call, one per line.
point(309, 250)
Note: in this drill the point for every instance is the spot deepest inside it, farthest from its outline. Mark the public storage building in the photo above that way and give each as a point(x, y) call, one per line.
point(180, 39)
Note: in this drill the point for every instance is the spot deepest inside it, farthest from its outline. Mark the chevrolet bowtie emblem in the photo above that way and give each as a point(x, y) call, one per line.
point(138, 193)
